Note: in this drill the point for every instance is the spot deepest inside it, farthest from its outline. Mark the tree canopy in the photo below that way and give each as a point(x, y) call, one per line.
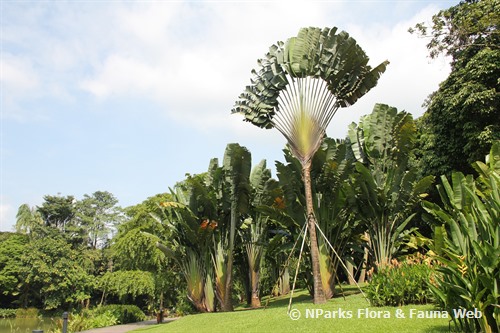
point(462, 117)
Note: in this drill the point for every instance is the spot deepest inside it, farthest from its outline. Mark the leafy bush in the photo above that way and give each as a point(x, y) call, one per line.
point(27, 313)
point(104, 319)
point(123, 313)
point(86, 320)
point(468, 245)
point(7, 313)
point(183, 306)
point(402, 283)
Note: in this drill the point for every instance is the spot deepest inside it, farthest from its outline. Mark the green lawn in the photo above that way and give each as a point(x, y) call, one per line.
point(275, 318)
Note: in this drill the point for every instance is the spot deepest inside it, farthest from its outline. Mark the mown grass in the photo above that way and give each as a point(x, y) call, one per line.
point(274, 318)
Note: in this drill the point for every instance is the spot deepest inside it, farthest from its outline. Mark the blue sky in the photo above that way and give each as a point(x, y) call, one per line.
point(129, 96)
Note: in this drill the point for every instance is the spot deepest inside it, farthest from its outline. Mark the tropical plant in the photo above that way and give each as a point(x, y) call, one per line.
point(236, 166)
point(254, 247)
point(134, 248)
point(469, 234)
point(298, 88)
point(386, 188)
point(27, 218)
point(254, 230)
point(189, 242)
point(402, 282)
point(330, 172)
point(207, 209)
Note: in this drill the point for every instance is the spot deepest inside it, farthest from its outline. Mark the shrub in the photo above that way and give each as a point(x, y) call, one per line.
point(7, 313)
point(27, 313)
point(104, 319)
point(86, 320)
point(183, 306)
point(123, 313)
point(402, 283)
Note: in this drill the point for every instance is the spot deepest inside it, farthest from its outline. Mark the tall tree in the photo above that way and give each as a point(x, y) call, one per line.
point(12, 247)
point(298, 89)
point(461, 121)
point(58, 211)
point(51, 273)
point(98, 214)
point(27, 219)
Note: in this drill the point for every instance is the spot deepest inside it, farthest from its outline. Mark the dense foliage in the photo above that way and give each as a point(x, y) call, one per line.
point(402, 283)
point(387, 188)
point(461, 121)
point(468, 237)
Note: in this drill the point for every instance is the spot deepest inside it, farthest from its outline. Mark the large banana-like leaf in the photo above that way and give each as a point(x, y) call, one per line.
point(219, 260)
point(338, 73)
point(387, 189)
point(237, 167)
point(470, 246)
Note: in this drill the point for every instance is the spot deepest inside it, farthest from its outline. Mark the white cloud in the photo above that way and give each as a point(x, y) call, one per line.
point(6, 215)
point(410, 77)
point(194, 59)
point(17, 74)
point(204, 66)
point(17, 79)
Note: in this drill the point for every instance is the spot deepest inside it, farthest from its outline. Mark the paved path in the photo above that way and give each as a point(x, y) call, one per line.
point(126, 327)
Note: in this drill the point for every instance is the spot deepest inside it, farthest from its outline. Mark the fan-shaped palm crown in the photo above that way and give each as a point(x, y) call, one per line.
point(301, 84)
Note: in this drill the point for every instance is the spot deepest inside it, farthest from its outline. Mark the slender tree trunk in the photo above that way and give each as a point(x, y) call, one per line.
point(319, 295)
point(103, 296)
point(362, 275)
point(254, 282)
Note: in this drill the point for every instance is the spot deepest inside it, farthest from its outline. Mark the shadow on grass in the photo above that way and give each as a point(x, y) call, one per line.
point(283, 301)
point(303, 296)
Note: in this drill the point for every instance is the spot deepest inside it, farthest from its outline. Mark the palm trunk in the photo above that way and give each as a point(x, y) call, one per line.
point(319, 295)
point(254, 282)
point(362, 274)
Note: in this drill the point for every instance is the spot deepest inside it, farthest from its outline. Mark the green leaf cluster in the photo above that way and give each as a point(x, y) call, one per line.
point(325, 54)
point(469, 232)
point(128, 285)
point(401, 283)
point(386, 188)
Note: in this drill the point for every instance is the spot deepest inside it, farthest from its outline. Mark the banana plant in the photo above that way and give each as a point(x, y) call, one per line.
point(298, 88)
point(254, 230)
point(236, 167)
point(387, 190)
point(188, 217)
point(254, 238)
point(468, 222)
